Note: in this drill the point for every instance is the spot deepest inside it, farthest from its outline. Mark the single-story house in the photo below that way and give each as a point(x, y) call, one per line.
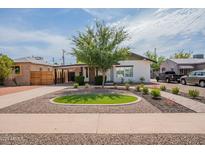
point(182, 66)
point(132, 69)
point(35, 71)
point(31, 71)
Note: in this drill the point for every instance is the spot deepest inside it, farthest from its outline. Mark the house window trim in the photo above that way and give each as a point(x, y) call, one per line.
point(125, 66)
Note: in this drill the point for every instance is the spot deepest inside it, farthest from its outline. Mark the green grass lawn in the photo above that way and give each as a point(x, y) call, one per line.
point(95, 99)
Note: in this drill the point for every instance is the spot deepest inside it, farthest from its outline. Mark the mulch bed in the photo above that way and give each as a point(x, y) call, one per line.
point(101, 139)
point(43, 105)
point(165, 105)
point(199, 98)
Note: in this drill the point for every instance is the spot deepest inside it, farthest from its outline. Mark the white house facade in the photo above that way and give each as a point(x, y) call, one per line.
point(130, 70)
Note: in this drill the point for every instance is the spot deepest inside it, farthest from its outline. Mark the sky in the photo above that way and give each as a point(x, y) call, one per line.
point(45, 32)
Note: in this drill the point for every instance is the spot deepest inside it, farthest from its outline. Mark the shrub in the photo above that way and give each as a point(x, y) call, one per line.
point(145, 90)
point(75, 85)
point(87, 85)
point(155, 93)
point(142, 85)
point(175, 90)
point(194, 93)
point(138, 88)
point(163, 88)
point(127, 86)
point(130, 81)
point(80, 79)
point(142, 79)
point(99, 80)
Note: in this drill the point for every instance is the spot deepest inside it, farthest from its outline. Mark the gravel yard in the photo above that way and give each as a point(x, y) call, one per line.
point(101, 139)
point(165, 105)
point(146, 105)
point(43, 105)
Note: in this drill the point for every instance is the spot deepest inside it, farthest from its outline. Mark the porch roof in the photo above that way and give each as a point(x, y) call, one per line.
point(71, 65)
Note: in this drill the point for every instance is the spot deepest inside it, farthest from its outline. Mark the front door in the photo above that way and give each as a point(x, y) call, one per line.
point(71, 76)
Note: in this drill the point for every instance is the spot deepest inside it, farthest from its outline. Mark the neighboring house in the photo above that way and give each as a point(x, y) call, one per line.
point(30, 71)
point(182, 66)
point(35, 71)
point(132, 69)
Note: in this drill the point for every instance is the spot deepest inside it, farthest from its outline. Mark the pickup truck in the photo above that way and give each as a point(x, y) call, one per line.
point(168, 77)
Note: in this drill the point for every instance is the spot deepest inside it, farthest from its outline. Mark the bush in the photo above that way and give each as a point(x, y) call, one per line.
point(175, 90)
point(87, 85)
point(130, 81)
point(194, 93)
point(127, 86)
point(163, 88)
point(155, 93)
point(145, 91)
point(99, 80)
point(75, 85)
point(141, 85)
point(138, 88)
point(80, 80)
point(142, 79)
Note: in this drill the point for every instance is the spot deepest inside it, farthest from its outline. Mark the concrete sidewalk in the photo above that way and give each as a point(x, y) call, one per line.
point(10, 99)
point(189, 103)
point(190, 123)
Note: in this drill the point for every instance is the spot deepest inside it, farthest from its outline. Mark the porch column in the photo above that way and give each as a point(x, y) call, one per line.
point(66, 76)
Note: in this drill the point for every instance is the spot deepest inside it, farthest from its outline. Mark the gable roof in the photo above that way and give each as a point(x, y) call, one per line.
point(33, 60)
point(139, 57)
point(189, 61)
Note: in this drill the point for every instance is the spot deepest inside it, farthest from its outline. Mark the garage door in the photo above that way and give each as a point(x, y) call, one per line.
point(41, 78)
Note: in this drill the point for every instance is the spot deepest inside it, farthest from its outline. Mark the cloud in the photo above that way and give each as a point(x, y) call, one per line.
point(166, 29)
point(20, 43)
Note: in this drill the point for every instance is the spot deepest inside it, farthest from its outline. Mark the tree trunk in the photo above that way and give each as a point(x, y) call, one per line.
point(103, 82)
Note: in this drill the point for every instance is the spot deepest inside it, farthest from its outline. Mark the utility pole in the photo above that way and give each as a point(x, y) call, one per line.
point(155, 51)
point(63, 56)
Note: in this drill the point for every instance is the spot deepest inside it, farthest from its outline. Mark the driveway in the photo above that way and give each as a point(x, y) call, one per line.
point(183, 88)
point(14, 98)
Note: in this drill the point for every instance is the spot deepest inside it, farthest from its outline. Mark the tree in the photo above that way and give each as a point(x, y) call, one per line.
point(99, 47)
point(158, 59)
point(182, 55)
point(5, 67)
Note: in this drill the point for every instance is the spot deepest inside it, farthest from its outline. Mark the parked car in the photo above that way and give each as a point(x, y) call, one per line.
point(168, 76)
point(195, 77)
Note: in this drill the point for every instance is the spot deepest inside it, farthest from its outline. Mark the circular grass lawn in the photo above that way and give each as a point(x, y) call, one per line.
point(95, 99)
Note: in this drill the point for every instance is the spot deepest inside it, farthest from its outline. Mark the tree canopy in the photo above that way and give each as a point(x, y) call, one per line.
point(100, 46)
point(158, 59)
point(6, 64)
point(182, 55)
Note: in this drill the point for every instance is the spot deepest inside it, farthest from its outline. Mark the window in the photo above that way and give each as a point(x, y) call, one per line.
point(124, 71)
point(17, 69)
point(200, 74)
point(163, 69)
point(40, 68)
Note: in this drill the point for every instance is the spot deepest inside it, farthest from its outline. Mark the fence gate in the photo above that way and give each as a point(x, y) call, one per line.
point(41, 78)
